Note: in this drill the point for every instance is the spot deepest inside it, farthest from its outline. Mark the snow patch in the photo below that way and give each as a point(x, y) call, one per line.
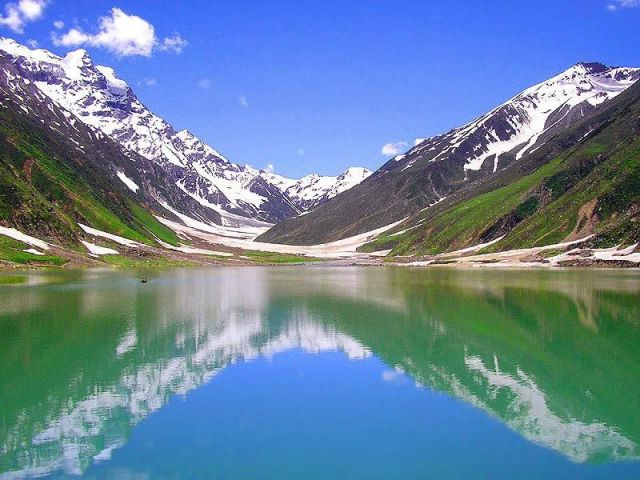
point(131, 185)
point(97, 250)
point(115, 85)
point(477, 247)
point(612, 254)
point(246, 232)
point(24, 238)
point(200, 251)
point(345, 248)
point(99, 233)
point(604, 254)
point(33, 251)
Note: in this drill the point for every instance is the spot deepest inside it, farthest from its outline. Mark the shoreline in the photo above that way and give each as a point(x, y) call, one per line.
point(208, 251)
point(343, 263)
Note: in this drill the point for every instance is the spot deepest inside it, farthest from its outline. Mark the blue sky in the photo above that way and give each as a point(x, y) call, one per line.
point(317, 86)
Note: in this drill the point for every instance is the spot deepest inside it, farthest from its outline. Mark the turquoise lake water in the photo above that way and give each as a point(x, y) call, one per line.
point(320, 373)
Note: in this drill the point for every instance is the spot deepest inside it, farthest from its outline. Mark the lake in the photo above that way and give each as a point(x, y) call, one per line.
point(320, 373)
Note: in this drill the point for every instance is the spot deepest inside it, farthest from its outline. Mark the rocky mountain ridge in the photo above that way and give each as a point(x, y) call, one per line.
point(233, 195)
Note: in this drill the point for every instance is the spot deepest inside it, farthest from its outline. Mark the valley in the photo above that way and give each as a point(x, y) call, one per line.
point(348, 239)
point(91, 172)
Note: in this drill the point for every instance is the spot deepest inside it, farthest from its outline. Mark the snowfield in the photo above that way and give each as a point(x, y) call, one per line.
point(345, 248)
point(521, 124)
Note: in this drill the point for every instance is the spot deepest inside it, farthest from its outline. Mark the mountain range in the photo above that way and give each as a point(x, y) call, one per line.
point(230, 194)
point(437, 167)
point(79, 153)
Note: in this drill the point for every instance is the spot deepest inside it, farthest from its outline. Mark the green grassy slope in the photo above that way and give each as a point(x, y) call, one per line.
point(46, 189)
point(569, 190)
point(13, 251)
point(614, 188)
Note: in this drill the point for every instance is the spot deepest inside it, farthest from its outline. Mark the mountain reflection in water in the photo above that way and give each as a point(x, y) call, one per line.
point(88, 355)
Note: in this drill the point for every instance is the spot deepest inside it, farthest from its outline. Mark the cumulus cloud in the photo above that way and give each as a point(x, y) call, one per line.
point(617, 4)
point(122, 34)
point(204, 83)
point(242, 100)
point(17, 14)
point(269, 168)
point(58, 24)
point(173, 44)
point(33, 43)
point(393, 149)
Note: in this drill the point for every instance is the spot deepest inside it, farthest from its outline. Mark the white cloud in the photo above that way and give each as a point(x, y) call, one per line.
point(616, 4)
point(58, 24)
point(32, 43)
point(148, 82)
point(393, 149)
point(12, 19)
point(72, 38)
point(18, 14)
point(125, 35)
point(174, 44)
point(242, 100)
point(204, 83)
point(269, 168)
point(122, 34)
point(301, 152)
point(32, 9)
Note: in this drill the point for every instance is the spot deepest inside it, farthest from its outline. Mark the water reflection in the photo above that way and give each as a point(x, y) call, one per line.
point(89, 355)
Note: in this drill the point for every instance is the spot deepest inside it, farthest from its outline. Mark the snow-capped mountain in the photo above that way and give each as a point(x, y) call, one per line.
point(93, 94)
point(312, 190)
point(437, 167)
point(526, 121)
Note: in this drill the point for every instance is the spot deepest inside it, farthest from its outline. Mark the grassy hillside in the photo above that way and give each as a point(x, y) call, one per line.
point(46, 189)
point(573, 189)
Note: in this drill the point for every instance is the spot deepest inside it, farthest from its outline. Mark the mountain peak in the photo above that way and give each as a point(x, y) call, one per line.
point(584, 71)
point(353, 173)
point(75, 62)
point(591, 67)
point(7, 43)
point(98, 98)
point(15, 49)
point(356, 170)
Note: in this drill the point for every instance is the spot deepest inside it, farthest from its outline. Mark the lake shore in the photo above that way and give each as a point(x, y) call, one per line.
point(208, 250)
